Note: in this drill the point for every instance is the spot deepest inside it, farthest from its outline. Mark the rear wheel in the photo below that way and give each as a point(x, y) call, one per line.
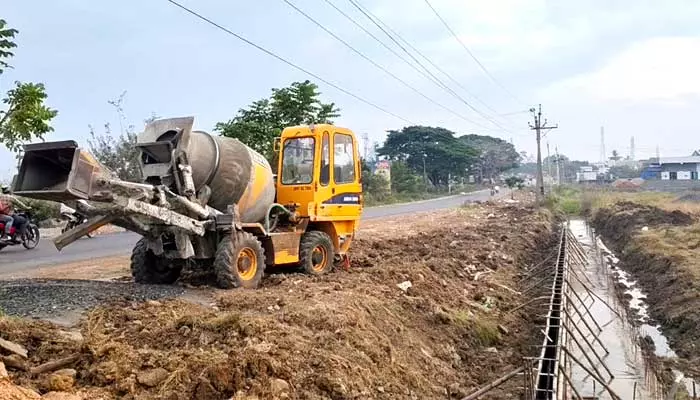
point(31, 239)
point(239, 264)
point(146, 267)
point(316, 253)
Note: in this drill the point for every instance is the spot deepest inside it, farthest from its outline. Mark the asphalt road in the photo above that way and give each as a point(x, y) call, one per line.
point(17, 258)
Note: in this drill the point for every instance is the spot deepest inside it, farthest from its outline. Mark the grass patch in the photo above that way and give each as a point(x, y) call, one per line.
point(484, 331)
point(577, 200)
point(565, 200)
point(678, 243)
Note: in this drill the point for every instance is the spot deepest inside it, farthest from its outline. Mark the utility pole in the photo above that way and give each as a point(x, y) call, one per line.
point(603, 155)
point(558, 160)
point(538, 128)
point(549, 162)
point(425, 174)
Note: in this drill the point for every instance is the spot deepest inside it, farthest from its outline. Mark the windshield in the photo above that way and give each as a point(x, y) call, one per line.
point(298, 161)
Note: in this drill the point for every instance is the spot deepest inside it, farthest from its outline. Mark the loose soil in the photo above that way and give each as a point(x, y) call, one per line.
point(347, 335)
point(663, 259)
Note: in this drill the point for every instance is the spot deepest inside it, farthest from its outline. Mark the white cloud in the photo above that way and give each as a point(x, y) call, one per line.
point(660, 69)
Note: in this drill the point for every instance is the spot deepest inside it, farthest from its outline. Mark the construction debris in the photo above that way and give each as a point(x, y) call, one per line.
point(13, 348)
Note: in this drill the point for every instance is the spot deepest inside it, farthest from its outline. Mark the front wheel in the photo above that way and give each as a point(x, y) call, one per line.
point(316, 253)
point(31, 239)
point(239, 262)
point(146, 267)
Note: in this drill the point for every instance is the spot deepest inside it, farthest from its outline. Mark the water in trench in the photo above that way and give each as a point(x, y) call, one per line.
point(633, 378)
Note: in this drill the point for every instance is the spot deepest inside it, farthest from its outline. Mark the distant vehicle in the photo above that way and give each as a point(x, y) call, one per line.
point(73, 218)
point(29, 240)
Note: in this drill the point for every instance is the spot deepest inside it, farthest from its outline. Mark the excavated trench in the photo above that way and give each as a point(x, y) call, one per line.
point(628, 341)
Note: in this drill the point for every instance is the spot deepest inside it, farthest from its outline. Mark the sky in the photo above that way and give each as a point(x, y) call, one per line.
point(632, 67)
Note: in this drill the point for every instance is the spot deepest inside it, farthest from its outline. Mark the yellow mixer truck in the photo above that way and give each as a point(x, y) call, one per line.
point(212, 202)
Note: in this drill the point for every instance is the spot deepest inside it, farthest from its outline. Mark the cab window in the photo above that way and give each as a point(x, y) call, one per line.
point(298, 161)
point(343, 159)
point(325, 160)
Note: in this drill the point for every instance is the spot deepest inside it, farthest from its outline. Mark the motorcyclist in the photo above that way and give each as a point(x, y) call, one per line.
point(8, 216)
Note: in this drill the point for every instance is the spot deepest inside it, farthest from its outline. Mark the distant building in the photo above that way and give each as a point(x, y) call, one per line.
point(592, 173)
point(672, 168)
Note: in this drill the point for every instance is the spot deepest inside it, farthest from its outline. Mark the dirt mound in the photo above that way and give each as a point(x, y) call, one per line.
point(347, 335)
point(618, 222)
point(688, 197)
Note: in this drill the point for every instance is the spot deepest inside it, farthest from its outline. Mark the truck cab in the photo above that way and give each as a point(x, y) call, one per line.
point(319, 175)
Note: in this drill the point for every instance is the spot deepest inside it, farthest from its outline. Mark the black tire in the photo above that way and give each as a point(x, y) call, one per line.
point(242, 265)
point(147, 267)
point(316, 253)
point(2, 246)
point(33, 233)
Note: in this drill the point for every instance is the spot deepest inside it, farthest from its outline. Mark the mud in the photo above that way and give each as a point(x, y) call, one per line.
point(347, 335)
point(665, 275)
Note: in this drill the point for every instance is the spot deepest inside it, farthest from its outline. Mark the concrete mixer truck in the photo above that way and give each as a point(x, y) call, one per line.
point(211, 202)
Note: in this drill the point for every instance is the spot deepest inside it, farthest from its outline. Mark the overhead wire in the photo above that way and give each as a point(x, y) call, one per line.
point(402, 58)
point(378, 23)
point(370, 15)
point(386, 46)
point(483, 68)
point(377, 65)
point(290, 63)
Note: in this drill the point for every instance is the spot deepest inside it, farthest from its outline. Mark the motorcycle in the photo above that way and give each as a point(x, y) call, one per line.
point(74, 219)
point(29, 240)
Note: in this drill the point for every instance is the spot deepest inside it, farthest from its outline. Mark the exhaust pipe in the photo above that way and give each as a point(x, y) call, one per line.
point(58, 171)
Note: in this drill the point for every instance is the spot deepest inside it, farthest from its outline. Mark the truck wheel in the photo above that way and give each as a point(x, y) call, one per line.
point(239, 265)
point(147, 267)
point(316, 253)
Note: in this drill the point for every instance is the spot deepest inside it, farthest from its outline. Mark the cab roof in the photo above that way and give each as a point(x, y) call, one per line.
point(313, 129)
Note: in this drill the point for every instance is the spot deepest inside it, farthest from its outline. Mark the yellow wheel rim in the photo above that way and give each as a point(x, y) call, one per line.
point(247, 263)
point(319, 258)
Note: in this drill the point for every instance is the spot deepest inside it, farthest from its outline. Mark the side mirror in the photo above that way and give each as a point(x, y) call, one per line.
point(276, 144)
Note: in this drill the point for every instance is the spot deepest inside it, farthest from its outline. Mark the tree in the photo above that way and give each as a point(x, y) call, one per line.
point(514, 181)
point(118, 153)
point(495, 155)
point(624, 172)
point(404, 180)
point(615, 156)
point(374, 186)
point(434, 152)
point(7, 36)
point(258, 125)
point(26, 116)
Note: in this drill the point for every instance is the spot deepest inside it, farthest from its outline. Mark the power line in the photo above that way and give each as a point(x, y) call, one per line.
point(483, 68)
point(378, 23)
point(365, 30)
point(394, 52)
point(291, 64)
point(365, 11)
point(374, 63)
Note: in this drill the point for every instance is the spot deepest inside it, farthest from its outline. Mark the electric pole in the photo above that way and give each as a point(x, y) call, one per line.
point(558, 160)
point(549, 162)
point(538, 128)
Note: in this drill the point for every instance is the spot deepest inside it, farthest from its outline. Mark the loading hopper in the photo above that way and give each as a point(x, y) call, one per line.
point(57, 171)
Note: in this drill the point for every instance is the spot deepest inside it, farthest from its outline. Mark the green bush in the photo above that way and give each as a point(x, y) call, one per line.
point(565, 200)
point(41, 209)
